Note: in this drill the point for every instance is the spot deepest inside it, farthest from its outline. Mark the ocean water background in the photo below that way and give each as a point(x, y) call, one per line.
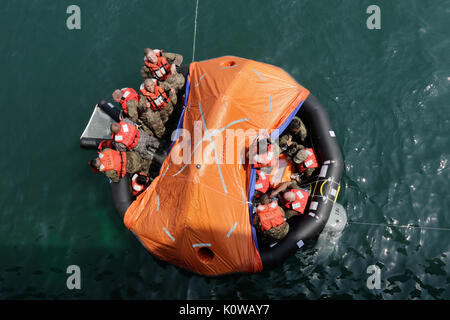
point(386, 92)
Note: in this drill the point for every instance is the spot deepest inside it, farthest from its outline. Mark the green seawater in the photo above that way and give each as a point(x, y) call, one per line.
point(386, 92)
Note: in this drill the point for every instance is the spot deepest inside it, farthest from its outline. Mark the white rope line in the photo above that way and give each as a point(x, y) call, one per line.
point(195, 31)
point(408, 226)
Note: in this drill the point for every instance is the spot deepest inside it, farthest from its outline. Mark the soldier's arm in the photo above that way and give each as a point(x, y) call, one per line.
point(142, 102)
point(165, 86)
point(132, 109)
point(283, 213)
point(144, 72)
point(173, 96)
point(173, 58)
point(112, 174)
point(119, 146)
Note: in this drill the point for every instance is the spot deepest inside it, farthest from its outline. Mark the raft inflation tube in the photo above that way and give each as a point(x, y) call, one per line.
point(324, 188)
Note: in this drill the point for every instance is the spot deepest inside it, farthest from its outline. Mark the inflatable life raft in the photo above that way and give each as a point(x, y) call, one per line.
point(198, 215)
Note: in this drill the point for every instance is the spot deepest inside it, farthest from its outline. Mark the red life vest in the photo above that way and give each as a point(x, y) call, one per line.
point(105, 144)
point(263, 182)
point(137, 188)
point(128, 135)
point(270, 215)
point(161, 70)
point(310, 162)
point(113, 160)
point(264, 160)
point(128, 94)
point(158, 100)
point(301, 199)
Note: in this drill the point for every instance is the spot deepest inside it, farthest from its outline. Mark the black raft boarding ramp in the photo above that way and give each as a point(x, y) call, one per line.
point(324, 190)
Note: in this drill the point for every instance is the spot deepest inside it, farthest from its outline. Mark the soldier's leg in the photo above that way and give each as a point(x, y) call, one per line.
point(153, 120)
point(175, 81)
point(133, 162)
point(308, 172)
point(166, 112)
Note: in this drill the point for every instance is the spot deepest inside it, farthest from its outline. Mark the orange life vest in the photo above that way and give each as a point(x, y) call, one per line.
point(128, 135)
point(161, 70)
point(263, 182)
point(128, 94)
point(301, 199)
point(270, 215)
point(310, 162)
point(113, 160)
point(158, 100)
point(264, 160)
point(137, 188)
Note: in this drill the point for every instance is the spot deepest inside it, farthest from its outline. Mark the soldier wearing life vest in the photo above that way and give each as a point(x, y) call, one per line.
point(139, 182)
point(270, 220)
point(306, 160)
point(292, 198)
point(157, 105)
point(126, 136)
point(116, 164)
point(262, 184)
point(264, 155)
point(128, 99)
point(162, 66)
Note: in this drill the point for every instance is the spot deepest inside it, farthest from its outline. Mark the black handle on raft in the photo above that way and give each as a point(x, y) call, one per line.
point(110, 110)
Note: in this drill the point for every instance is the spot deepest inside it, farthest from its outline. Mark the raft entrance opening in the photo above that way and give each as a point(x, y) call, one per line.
point(205, 254)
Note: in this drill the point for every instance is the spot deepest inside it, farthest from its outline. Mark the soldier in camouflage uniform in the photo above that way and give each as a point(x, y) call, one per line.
point(134, 164)
point(275, 233)
point(284, 196)
point(300, 157)
point(293, 141)
point(147, 144)
point(175, 80)
point(155, 119)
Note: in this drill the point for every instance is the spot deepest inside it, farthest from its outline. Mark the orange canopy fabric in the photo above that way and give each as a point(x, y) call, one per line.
point(196, 214)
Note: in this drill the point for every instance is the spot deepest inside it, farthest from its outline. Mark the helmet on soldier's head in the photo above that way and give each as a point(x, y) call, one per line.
point(300, 156)
point(295, 124)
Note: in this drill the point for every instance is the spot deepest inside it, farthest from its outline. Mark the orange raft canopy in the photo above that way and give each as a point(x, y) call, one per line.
point(197, 212)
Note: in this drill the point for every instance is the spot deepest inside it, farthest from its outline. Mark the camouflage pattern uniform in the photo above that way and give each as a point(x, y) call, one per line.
point(155, 119)
point(134, 164)
point(132, 110)
point(299, 158)
point(146, 147)
point(288, 212)
point(293, 148)
point(175, 81)
point(274, 234)
point(297, 135)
